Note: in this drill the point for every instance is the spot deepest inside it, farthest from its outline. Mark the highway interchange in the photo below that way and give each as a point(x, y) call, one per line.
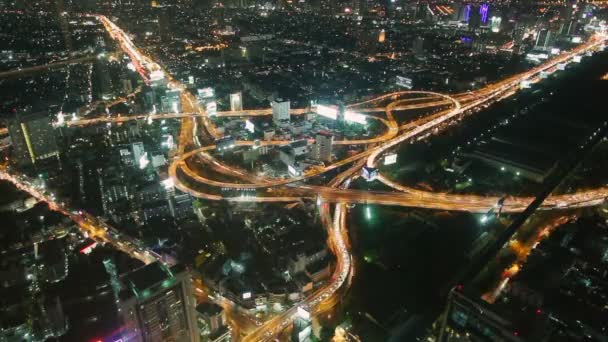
point(448, 111)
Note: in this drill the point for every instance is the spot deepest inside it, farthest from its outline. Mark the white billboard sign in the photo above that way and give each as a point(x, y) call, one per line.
point(404, 82)
point(351, 116)
point(326, 111)
point(390, 159)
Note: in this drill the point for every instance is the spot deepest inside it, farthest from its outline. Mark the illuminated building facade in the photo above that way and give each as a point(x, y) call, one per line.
point(32, 137)
point(157, 304)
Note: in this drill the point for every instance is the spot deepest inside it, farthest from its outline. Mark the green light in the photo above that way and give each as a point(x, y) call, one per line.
point(166, 283)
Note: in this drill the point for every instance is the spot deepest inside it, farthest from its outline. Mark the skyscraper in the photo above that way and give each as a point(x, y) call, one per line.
point(544, 40)
point(157, 304)
point(212, 323)
point(418, 46)
point(280, 110)
point(105, 88)
point(33, 138)
point(236, 101)
point(323, 146)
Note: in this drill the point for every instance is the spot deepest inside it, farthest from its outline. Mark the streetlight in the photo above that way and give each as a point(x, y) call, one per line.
point(368, 213)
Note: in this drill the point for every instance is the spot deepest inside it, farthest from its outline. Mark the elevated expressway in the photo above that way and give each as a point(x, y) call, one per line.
point(449, 110)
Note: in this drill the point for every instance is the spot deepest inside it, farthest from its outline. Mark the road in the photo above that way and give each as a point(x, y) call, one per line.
point(93, 227)
point(46, 67)
point(191, 153)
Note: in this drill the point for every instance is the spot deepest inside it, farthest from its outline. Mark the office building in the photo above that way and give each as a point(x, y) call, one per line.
point(127, 86)
point(32, 137)
point(138, 153)
point(104, 80)
point(323, 146)
point(418, 46)
point(280, 111)
point(171, 101)
point(544, 40)
point(211, 321)
point(302, 327)
point(157, 303)
point(470, 319)
point(236, 101)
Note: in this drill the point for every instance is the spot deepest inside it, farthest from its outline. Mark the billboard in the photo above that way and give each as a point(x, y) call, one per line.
point(404, 82)
point(191, 79)
point(390, 159)
point(249, 126)
point(351, 116)
point(525, 84)
point(327, 111)
point(561, 66)
point(206, 93)
point(576, 59)
point(211, 108)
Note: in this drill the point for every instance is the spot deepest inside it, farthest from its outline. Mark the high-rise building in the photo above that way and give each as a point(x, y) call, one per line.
point(323, 146)
point(495, 23)
point(302, 327)
point(33, 138)
point(171, 101)
point(418, 46)
point(157, 303)
point(381, 36)
point(236, 101)
point(138, 152)
point(280, 110)
point(212, 323)
point(544, 40)
point(105, 88)
point(475, 17)
point(127, 86)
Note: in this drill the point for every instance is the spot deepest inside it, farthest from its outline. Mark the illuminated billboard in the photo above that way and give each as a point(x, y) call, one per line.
point(525, 84)
point(327, 111)
point(206, 93)
point(89, 248)
point(390, 159)
point(404, 82)
point(351, 116)
point(576, 59)
point(577, 40)
point(211, 108)
point(561, 66)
